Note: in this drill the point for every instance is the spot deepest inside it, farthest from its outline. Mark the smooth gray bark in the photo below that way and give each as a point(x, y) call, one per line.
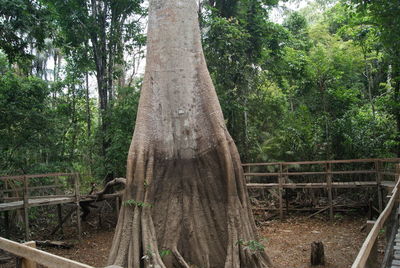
point(185, 193)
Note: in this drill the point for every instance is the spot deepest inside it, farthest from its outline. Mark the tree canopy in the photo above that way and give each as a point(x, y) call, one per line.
point(323, 84)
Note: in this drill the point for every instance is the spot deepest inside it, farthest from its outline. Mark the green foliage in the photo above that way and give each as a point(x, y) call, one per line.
point(379, 21)
point(122, 120)
point(96, 36)
point(40, 133)
point(235, 47)
point(149, 253)
point(312, 91)
point(325, 84)
point(251, 245)
point(165, 252)
point(23, 119)
point(134, 203)
point(296, 24)
point(363, 136)
point(24, 24)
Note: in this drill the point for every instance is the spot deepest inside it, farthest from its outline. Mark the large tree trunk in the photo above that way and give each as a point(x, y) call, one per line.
point(185, 193)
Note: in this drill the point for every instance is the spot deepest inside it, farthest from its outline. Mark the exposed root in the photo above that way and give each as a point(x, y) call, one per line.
point(186, 209)
point(180, 259)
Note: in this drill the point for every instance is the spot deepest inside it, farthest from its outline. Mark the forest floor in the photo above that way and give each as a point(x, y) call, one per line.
point(287, 242)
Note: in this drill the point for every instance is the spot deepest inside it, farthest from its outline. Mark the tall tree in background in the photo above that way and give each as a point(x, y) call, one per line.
point(323, 85)
point(186, 192)
point(385, 16)
point(237, 39)
point(96, 33)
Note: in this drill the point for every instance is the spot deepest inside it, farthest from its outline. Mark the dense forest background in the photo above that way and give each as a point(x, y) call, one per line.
point(323, 84)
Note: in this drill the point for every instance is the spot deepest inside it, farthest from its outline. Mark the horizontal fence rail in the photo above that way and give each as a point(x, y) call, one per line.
point(366, 160)
point(37, 176)
point(326, 174)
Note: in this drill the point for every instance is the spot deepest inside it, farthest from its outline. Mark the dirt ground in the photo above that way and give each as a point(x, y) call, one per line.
point(287, 242)
point(92, 250)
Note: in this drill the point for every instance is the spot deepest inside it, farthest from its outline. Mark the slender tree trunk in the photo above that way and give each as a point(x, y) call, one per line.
point(88, 112)
point(110, 73)
point(371, 100)
point(55, 57)
point(88, 121)
point(185, 193)
point(389, 76)
point(397, 108)
point(99, 43)
point(246, 130)
point(73, 122)
point(368, 76)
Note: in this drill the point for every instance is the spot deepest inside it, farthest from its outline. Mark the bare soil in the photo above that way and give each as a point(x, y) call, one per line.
point(92, 250)
point(287, 242)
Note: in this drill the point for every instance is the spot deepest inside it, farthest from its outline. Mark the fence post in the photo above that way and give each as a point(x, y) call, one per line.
point(117, 205)
point(7, 224)
point(6, 216)
point(286, 180)
point(58, 184)
point(248, 171)
point(59, 214)
point(378, 183)
point(329, 186)
point(77, 199)
point(26, 263)
point(280, 190)
point(26, 207)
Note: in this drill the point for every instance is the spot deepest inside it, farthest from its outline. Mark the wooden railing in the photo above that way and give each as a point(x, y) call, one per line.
point(19, 186)
point(387, 222)
point(16, 192)
point(31, 256)
point(325, 174)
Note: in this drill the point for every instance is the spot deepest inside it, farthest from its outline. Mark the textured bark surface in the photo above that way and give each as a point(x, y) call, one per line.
point(317, 253)
point(189, 205)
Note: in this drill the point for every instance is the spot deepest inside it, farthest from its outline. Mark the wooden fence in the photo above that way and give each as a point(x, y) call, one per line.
point(279, 176)
point(387, 222)
point(16, 193)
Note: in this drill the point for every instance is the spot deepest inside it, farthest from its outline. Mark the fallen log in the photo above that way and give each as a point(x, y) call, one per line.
point(99, 196)
point(319, 211)
point(110, 184)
